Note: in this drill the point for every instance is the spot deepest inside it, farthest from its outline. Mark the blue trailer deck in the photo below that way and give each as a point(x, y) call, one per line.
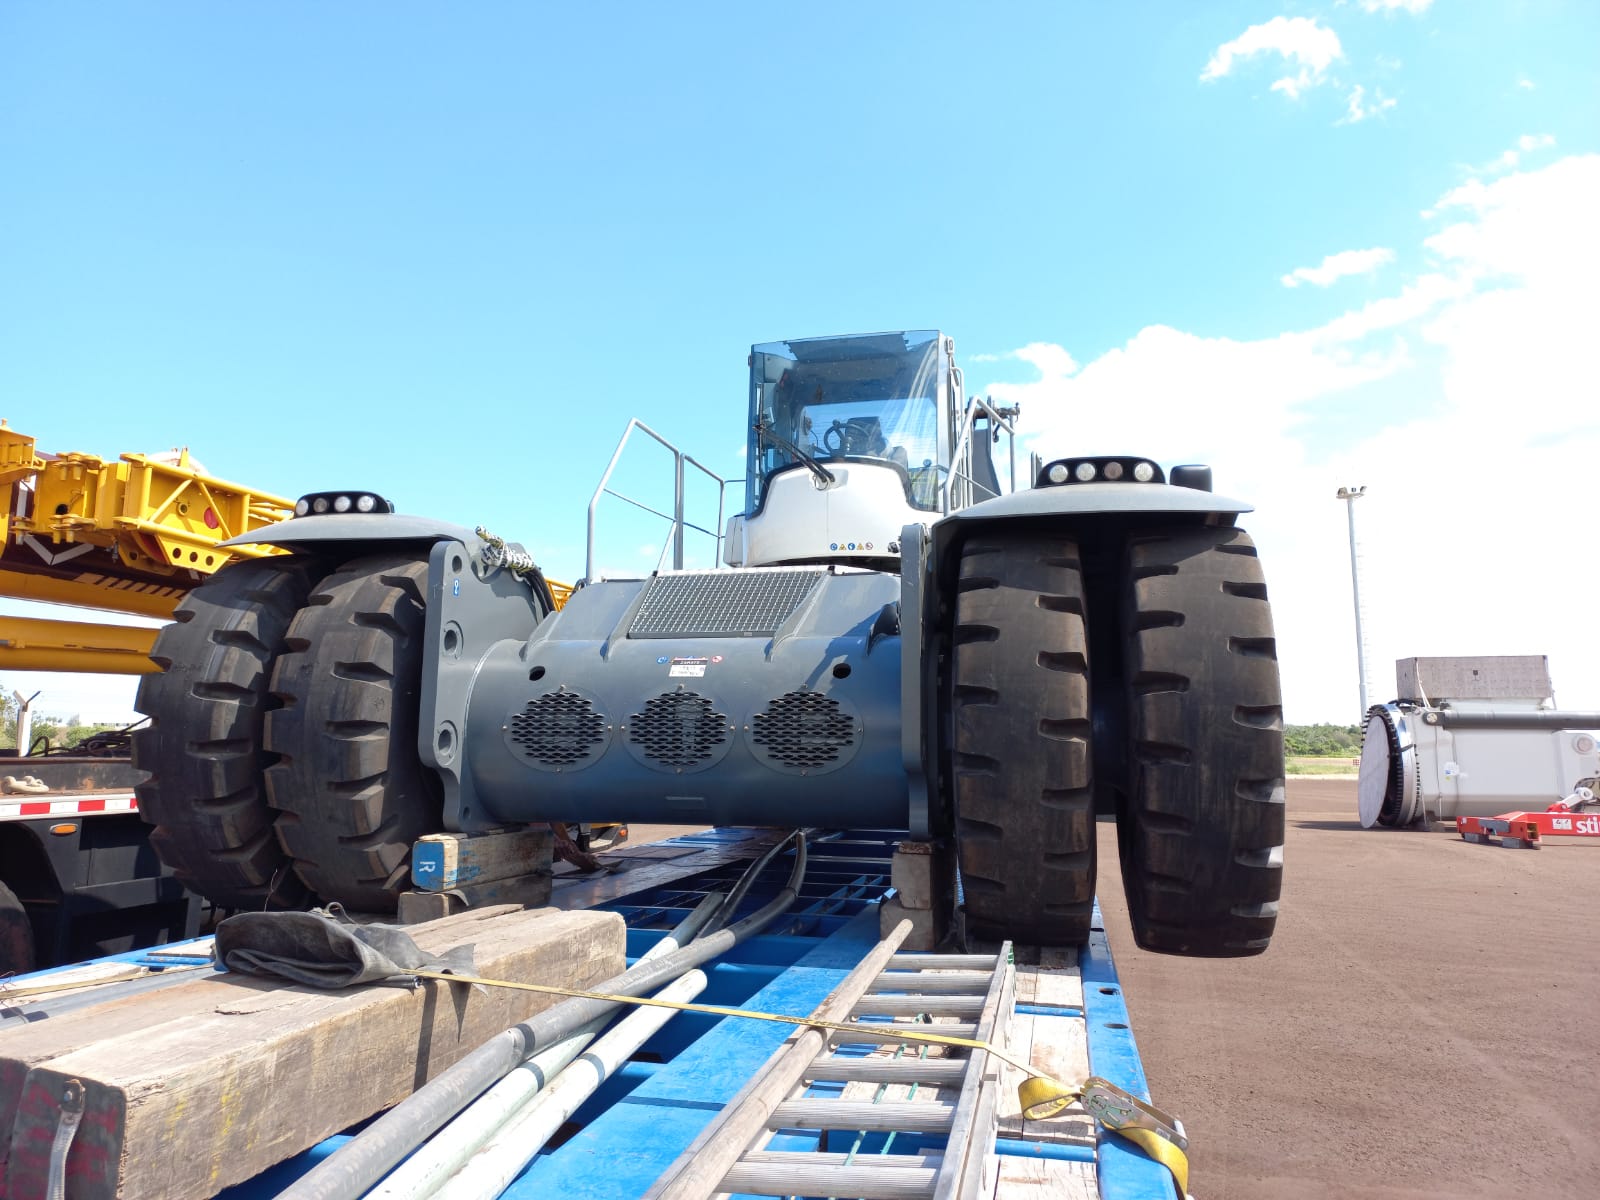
point(646, 1115)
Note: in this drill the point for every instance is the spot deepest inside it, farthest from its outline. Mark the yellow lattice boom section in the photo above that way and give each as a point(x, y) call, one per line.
point(131, 534)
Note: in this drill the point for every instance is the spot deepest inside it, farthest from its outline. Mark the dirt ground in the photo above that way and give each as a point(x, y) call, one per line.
point(1422, 1025)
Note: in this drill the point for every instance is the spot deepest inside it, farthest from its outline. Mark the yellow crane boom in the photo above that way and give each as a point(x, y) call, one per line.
point(131, 534)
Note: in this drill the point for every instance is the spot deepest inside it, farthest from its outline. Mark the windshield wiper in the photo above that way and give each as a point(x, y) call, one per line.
point(765, 433)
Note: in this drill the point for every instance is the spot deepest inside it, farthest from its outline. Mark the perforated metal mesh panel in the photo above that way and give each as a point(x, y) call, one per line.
point(803, 731)
point(720, 603)
point(557, 730)
point(678, 729)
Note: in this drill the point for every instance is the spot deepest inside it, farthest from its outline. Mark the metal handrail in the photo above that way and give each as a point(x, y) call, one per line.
point(678, 524)
point(963, 447)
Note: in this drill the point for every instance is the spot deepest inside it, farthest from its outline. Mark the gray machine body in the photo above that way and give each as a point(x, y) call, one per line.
point(762, 696)
point(800, 695)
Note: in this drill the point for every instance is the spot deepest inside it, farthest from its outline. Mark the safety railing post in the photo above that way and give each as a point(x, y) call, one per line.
point(677, 511)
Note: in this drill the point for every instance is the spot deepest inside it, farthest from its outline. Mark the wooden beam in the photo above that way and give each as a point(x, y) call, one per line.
point(262, 1071)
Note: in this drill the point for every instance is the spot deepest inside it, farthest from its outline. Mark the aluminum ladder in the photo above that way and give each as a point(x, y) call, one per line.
point(887, 1085)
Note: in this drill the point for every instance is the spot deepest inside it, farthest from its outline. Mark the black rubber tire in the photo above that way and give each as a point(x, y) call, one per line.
point(350, 789)
point(1201, 830)
point(203, 745)
point(16, 935)
point(1020, 736)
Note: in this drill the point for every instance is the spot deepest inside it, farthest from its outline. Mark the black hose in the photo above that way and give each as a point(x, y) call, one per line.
point(730, 904)
point(362, 1161)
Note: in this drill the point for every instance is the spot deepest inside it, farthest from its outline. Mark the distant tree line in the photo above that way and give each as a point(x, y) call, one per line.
point(1340, 741)
point(46, 733)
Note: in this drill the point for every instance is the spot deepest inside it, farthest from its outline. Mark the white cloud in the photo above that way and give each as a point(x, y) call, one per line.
point(1464, 401)
point(1415, 7)
point(1052, 361)
point(1299, 40)
point(1338, 266)
point(1357, 110)
point(1526, 84)
point(1510, 158)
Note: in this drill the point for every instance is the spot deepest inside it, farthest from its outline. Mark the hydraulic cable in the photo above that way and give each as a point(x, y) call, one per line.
point(357, 1165)
point(729, 906)
point(445, 1153)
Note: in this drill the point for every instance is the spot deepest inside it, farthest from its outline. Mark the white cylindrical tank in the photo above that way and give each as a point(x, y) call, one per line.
point(1421, 763)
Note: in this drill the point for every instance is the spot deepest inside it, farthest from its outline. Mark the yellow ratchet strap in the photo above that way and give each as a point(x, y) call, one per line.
point(1153, 1131)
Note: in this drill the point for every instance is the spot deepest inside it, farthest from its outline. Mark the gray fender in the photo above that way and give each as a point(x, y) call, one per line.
point(1079, 503)
point(336, 528)
point(1088, 499)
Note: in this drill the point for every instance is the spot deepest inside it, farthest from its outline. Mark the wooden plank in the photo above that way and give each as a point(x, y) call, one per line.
point(1054, 980)
point(1031, 1178)
point(1057, 1047)
point(185, 1108)
point(518, 891)
point(441, 862)
point(23, 1044)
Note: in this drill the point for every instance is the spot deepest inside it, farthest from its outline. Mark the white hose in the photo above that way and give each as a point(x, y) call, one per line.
point(421, 1175)
point(505, 1155)
point(444, 1153)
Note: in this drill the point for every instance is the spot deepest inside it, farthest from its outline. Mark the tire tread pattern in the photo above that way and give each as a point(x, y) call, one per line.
point(203, 746)
point(1020, 741)
point(351, 792)
point(1202, 833)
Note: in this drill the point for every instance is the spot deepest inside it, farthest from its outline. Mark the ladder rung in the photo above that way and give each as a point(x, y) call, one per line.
point(930, 982)
point(927, 1117)
point(865, 1178)
point(876, 1032)
point(944, 962)
point(928, 1158)
point(914, 1006)
point(849, 1069)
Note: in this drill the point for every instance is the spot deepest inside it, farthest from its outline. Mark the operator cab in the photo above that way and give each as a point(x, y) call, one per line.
point(850, 440)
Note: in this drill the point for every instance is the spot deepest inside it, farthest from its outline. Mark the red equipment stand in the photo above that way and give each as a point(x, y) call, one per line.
point(1526, 830)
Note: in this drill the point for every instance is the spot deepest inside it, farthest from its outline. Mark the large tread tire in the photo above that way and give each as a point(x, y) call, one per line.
point(351, 792)
point(16, 935)
point(1020, 741)
point(203, 746)
point(1201, 831)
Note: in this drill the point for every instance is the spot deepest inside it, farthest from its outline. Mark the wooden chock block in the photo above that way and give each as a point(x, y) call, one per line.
point(526, 890)
point(928, 925)
point(924, 874)
point(443, 862)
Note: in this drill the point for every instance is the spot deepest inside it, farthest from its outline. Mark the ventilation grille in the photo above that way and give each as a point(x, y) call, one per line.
point(803, 731)
point(559, 729)
point(720, 603)
point(678, 729)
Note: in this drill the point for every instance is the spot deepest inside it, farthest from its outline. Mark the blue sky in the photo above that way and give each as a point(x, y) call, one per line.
point(446, 252)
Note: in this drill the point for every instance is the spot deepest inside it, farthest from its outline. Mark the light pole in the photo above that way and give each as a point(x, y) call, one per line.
point(1350, 495)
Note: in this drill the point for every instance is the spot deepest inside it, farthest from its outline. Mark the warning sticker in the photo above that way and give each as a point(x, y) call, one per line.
point(687, 666)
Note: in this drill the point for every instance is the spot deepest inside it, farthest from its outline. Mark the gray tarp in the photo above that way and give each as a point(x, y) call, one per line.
point(326, 949)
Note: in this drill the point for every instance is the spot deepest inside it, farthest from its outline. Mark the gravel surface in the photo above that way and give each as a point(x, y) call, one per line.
point(1422, 1025)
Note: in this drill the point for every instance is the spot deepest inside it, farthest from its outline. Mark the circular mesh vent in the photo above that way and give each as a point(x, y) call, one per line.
point(559, 729)
point(678, 730)
point(803, 731)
